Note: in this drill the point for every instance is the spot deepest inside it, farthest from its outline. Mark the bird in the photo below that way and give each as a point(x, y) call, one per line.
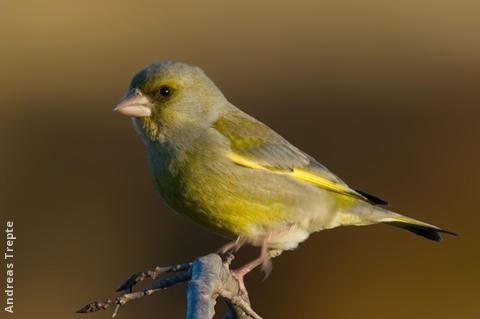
point(233, 175)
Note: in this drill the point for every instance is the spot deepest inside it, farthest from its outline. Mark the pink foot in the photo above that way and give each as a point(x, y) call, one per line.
point(238, 274)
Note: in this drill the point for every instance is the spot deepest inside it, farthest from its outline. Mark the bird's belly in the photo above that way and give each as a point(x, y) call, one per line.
point(246, 207)
point(232, 200)
point(221, 210)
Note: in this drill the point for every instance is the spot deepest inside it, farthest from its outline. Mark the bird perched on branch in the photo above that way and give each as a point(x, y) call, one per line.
point(234, 175)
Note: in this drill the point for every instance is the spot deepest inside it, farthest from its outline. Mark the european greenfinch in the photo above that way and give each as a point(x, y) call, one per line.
point(233, 175)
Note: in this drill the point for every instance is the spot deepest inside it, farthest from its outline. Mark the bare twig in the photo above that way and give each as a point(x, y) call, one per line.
point(123, 299)
point(209, 277)
point(162, 284)
point(151, 273)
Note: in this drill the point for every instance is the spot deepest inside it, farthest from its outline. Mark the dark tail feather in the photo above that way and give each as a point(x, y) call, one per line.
point(425, 231)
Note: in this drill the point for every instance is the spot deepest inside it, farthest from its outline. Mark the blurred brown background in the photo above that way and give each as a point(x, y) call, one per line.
point(384, 93)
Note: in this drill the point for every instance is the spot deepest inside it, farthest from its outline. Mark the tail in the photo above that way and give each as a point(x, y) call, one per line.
point(367, 214)
point(415, 226)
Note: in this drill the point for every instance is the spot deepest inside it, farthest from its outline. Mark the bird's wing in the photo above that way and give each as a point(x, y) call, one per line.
point(256, 146)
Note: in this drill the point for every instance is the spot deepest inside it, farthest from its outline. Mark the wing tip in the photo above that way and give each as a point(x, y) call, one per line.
point(373, 199)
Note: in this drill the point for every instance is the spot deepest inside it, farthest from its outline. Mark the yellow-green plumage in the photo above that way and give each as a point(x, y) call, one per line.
point(232, 174)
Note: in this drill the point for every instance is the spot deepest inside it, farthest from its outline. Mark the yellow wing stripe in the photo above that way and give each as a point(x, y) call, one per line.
point(297, 173)
point(240, 160)
point(318, 180)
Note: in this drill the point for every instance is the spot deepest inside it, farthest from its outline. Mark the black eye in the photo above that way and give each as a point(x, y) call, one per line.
point(165, 91)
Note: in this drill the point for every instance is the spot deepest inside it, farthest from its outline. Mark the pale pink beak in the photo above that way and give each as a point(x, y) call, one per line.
point(134, 104)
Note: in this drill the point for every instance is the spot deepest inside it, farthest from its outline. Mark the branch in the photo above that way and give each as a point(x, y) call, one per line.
point(209, 277)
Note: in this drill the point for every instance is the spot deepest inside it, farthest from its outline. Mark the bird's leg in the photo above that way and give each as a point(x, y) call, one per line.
point(239, 273)
point(264, 260)
point(232, 246)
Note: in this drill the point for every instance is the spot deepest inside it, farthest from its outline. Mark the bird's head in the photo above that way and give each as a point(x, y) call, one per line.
point(170, 99)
